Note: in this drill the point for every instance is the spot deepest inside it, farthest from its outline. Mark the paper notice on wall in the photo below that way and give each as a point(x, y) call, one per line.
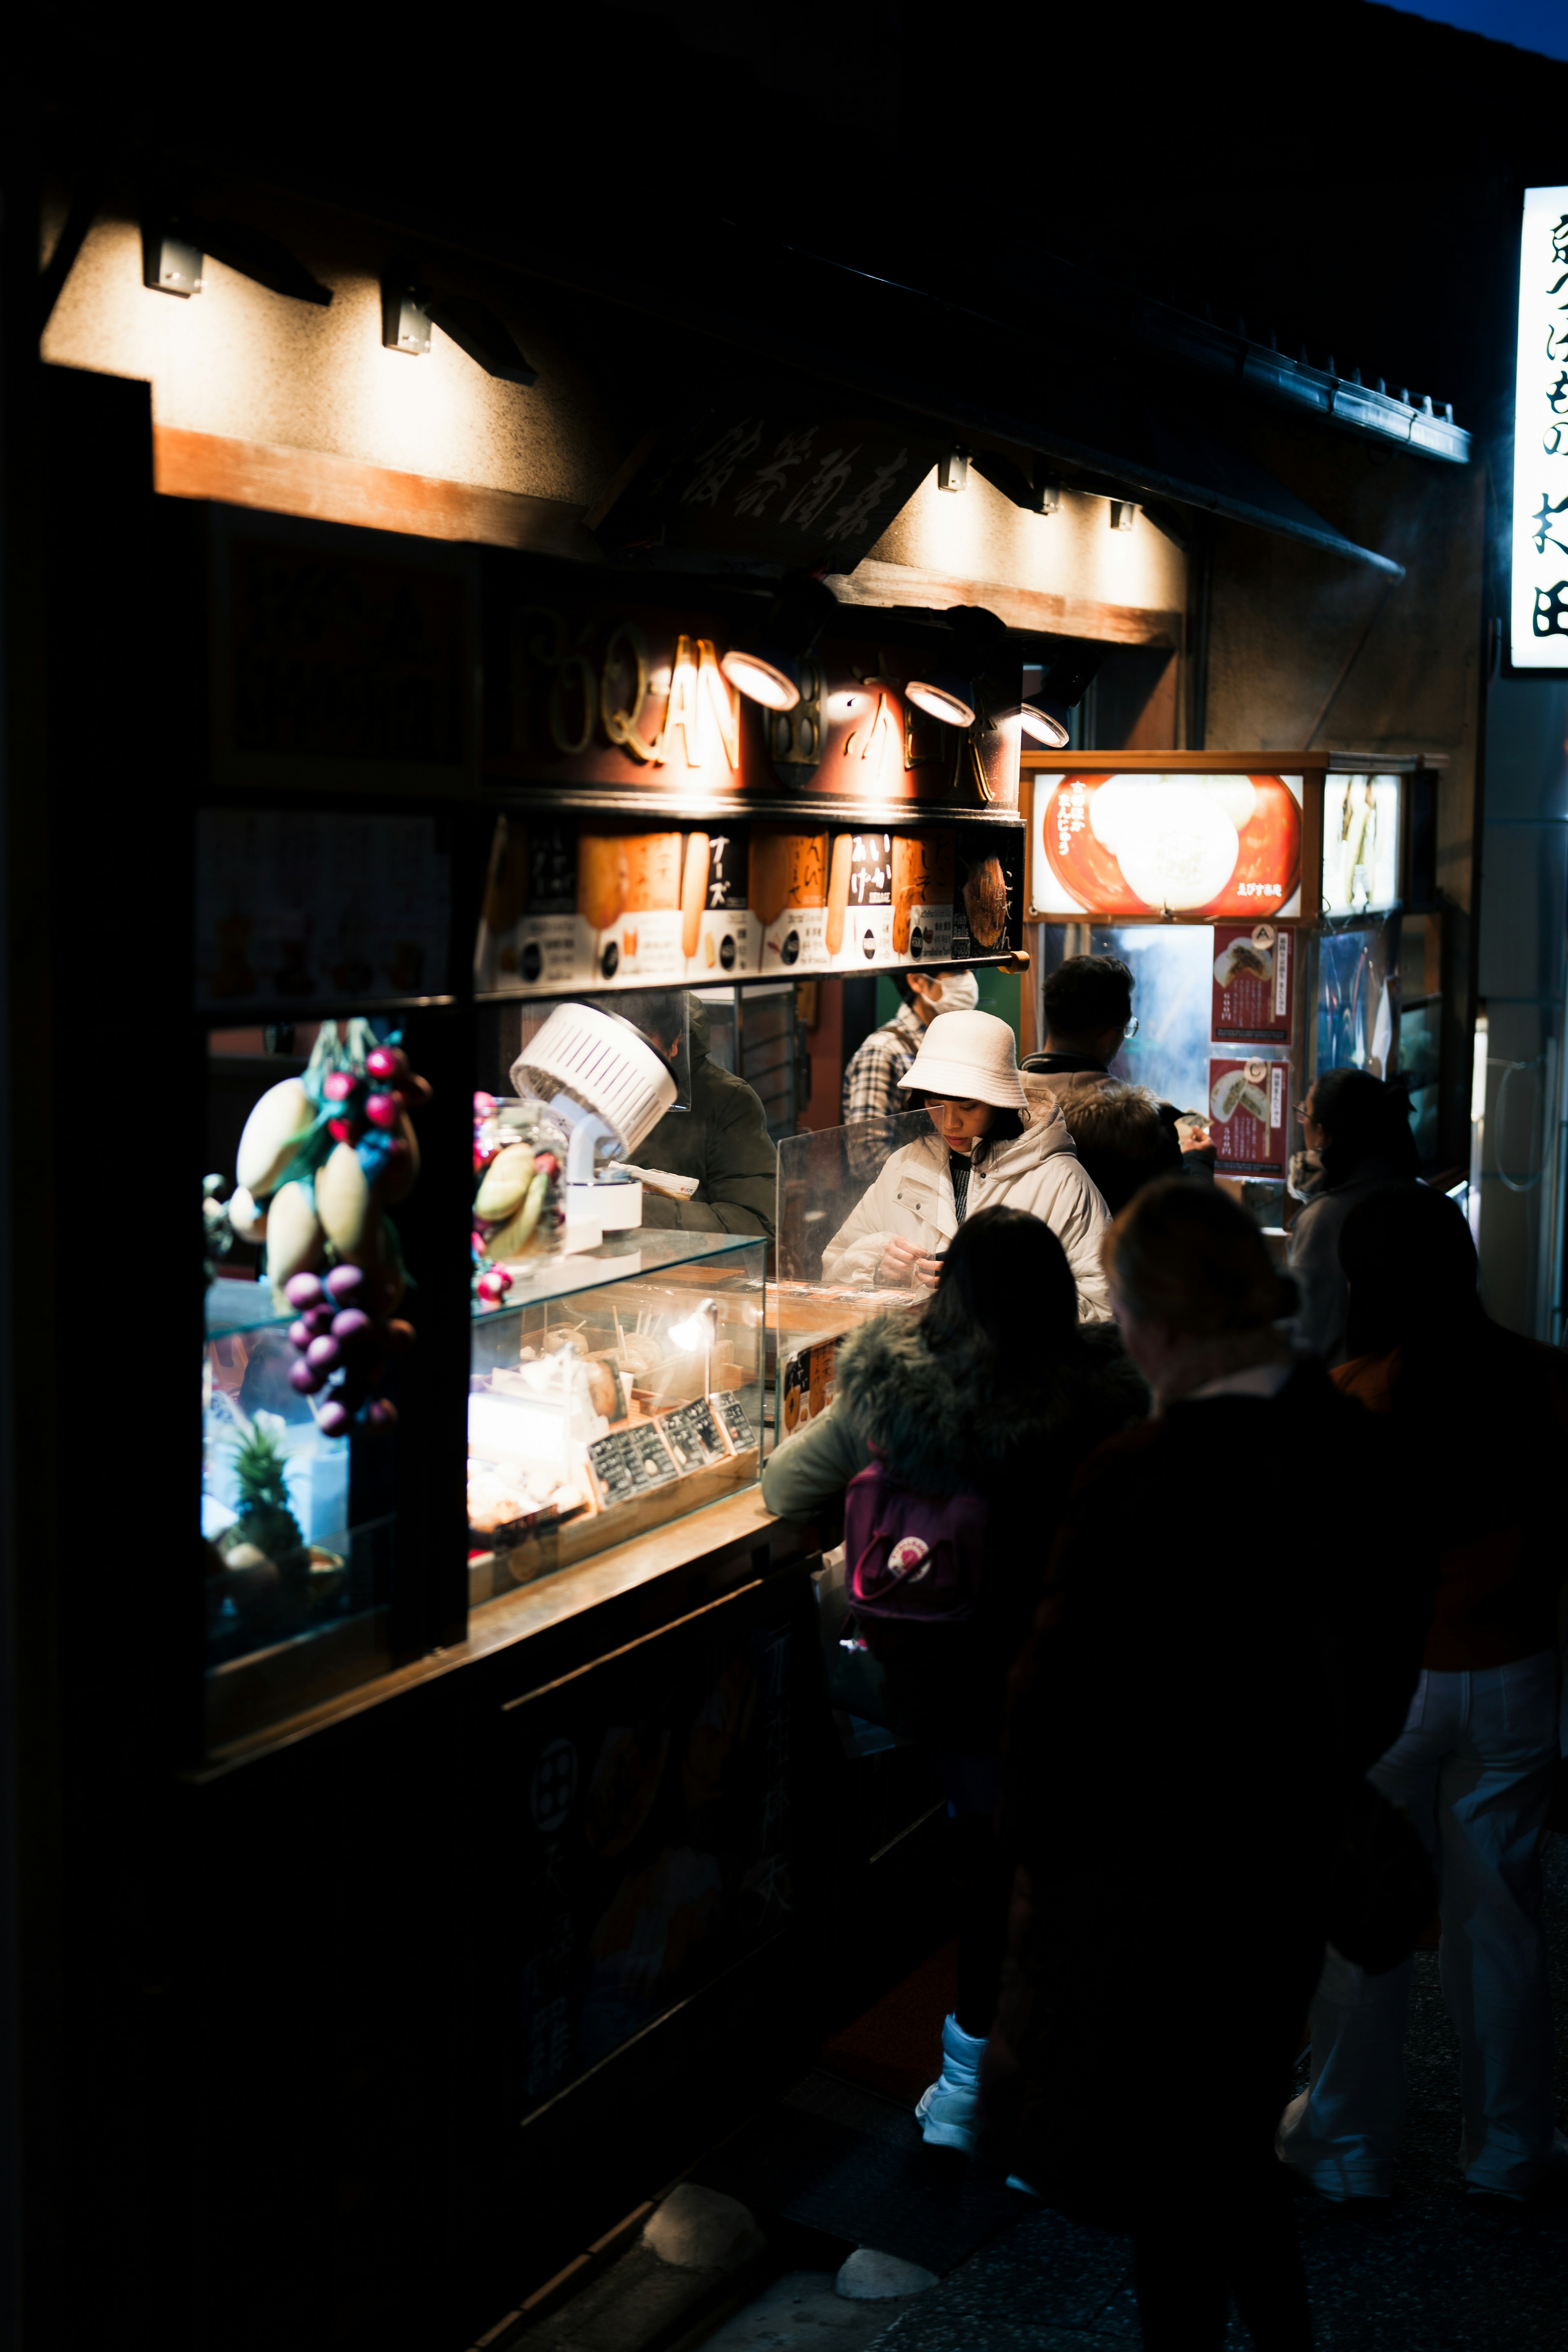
point(1248, 1107)
point(807, 1384)
point(1254, 982)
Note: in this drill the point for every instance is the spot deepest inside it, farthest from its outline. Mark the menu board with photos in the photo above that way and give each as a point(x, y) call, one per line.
point(1248, 1109)
point(1254, 982)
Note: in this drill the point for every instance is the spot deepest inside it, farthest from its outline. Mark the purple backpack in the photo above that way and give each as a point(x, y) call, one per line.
point(913, 1557)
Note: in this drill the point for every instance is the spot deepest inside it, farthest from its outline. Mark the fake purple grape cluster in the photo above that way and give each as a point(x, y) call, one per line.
point(342, 1341)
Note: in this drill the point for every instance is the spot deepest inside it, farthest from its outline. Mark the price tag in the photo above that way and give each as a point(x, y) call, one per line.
point(631, 1462)
point(693, 1435)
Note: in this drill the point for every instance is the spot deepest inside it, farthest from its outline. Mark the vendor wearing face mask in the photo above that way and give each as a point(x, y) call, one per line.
point(872, 1076)
point(996, 1137)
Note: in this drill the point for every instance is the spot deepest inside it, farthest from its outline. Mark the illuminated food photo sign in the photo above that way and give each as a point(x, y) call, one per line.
point(1538, 634)
point(1360, 843)
point(1197, 847)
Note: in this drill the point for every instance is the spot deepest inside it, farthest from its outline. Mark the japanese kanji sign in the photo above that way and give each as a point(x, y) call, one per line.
point(1539, 630)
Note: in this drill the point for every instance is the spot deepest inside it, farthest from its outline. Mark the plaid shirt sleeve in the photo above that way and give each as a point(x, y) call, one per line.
point(871, 1094)
point(872, 1080)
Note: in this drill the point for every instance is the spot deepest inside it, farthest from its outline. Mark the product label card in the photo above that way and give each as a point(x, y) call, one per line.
point(795, 940)
point(728, 945)
point(543, 952)
point(922, 896)
point(1253, 980)
point(1248, 1107)
point(693, 1435)
point(731, 1410)
point(929, 935)
point(867, 938)
point(637, 947)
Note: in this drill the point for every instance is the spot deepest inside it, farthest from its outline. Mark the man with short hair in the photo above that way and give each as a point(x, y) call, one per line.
point(1087, 1007)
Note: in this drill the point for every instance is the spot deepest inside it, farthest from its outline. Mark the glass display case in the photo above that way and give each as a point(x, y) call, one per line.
point(298, 1525)
point(610, 1391)
point(830, 1279)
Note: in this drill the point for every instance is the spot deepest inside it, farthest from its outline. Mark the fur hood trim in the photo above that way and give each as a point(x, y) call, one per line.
point(943, 1423)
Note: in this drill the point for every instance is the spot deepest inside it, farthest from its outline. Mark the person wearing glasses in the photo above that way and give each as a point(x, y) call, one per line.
point(1358, 1127)
point(1125, 1136)
point(997, 1138)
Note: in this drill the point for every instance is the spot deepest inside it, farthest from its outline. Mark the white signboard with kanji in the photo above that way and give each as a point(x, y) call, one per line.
point(1539, 629)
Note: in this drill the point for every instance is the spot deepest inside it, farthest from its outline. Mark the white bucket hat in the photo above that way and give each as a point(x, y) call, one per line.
point(970, 1058)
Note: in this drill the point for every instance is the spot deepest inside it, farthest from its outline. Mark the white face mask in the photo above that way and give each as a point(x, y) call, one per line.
point(956, 992)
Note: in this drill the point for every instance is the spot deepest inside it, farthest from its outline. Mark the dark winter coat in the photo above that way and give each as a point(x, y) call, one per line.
point(952, 1423)
point(1325, 1298)
point(1214, 1666)
point(723, 1141)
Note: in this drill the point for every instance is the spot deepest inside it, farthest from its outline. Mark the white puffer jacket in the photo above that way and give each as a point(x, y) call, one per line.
point(1037, 1171)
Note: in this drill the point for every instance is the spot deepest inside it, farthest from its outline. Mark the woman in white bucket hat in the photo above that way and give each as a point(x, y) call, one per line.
point(997, 1137)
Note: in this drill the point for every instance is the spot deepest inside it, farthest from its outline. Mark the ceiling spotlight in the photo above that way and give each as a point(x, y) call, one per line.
point(952, 470)
point(1123, 514)
point(768, 669)
point(1043, 725)
point(946, 695)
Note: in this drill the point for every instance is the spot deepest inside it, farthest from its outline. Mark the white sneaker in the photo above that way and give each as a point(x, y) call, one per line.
point(949, 2112)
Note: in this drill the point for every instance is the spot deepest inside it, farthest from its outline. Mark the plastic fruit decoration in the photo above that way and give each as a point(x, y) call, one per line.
point(320, 1160)
point(1204, 847)
point(517, 1206)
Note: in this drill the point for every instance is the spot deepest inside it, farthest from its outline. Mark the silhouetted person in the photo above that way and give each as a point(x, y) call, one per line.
point(1473, 1433)
point(996, 1391)
point(1359, 1127)
point(1208, 1680)
point(1087, 1007)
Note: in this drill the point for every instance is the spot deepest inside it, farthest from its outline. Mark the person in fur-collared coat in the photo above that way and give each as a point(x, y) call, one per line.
point(997, 1391)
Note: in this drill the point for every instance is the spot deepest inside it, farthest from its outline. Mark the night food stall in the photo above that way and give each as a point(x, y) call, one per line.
point(1276, 912)
point(445, 1831)
point(486, 1389)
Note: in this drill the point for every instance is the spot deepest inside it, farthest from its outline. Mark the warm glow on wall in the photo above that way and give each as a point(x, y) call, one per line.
point(250, 364)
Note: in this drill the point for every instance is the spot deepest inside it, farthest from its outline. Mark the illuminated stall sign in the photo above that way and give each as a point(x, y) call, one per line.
point(1196, 848)
point(1360, 843)
point(1539, 623)
point(639, 698)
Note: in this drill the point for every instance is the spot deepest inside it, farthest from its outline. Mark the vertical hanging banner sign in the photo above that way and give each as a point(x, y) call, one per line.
point(1539, 628)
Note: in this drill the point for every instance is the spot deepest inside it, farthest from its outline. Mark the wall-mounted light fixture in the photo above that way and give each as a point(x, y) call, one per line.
point(174, 247)
point(1123, 514)
point(767, 668)
point(409, 309)
point(952, 470)
point(171, 262)
point(405, 318)
point(1046, 497)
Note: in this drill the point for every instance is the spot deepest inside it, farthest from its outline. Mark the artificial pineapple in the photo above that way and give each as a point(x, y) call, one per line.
point(266, 1524)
